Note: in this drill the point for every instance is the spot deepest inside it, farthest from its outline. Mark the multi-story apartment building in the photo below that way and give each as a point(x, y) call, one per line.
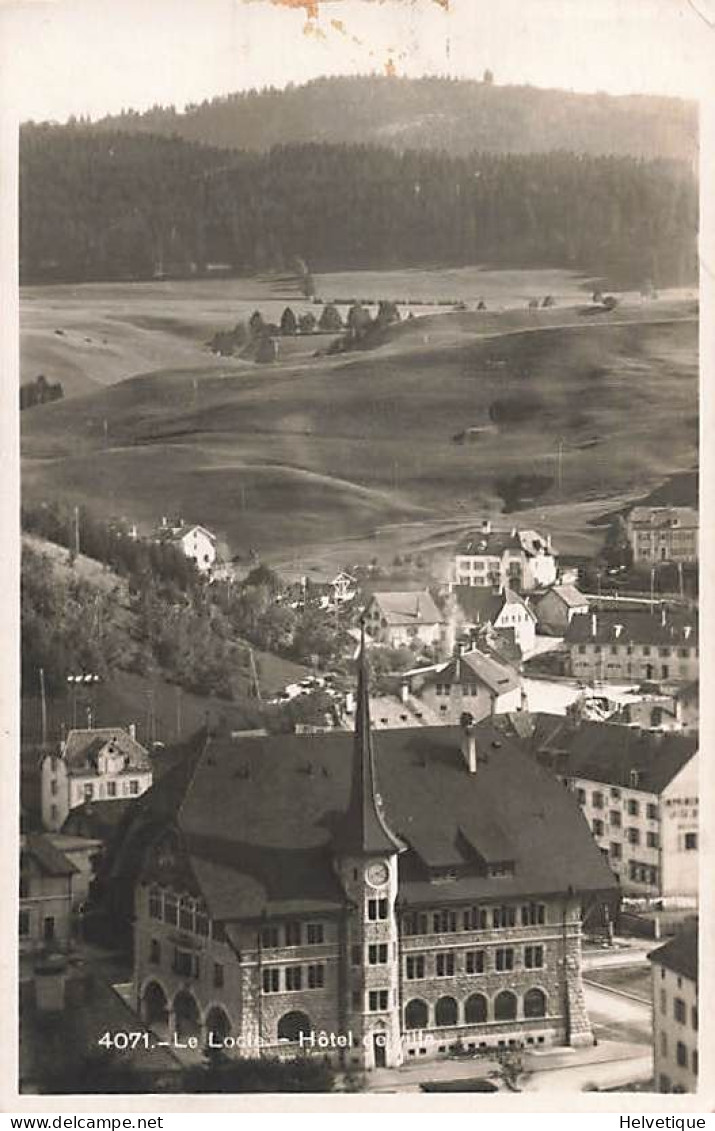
point(659, 646)
point(639, 793)
point(520, 559)
point(663, 534)
point(101, 764)
point(309, 892)
point(674, 968)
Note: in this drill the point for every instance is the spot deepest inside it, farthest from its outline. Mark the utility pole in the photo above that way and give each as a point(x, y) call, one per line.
point(178, 711)
point(43, 707)
point(76, 531)
point(560, 461)
point(254, 674)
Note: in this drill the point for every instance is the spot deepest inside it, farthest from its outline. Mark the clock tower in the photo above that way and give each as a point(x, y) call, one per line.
point(366, 853)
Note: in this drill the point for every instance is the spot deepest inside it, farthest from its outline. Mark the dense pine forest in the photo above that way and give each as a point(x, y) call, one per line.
point(111, 205)
point(457, 115)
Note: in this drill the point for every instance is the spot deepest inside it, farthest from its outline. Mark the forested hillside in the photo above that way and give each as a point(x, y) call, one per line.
point(112, 205)
point(430, 113)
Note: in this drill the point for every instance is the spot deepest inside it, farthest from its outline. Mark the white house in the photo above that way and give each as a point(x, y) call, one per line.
point(470, 683)
point(522, 559)
point(195, 542)
point(674, 969)
point(471, 607)
point(103, 764)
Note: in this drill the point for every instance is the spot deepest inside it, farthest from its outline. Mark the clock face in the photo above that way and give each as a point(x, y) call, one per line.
point(377, 874)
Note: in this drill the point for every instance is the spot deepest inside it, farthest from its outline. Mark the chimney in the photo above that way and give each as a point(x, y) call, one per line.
point(164, 521)
point(404, 690)
point(469, 742)
point(132, 728)
point(618, 629)
point(662, 616)
point(687, 631)
point(594, 624)
point(486, 526)
point(513, 532)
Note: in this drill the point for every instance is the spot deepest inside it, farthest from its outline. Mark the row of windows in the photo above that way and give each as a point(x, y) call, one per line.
point(476, 1009)
point(293, 933)
point(633, 807)
point(468, 689)
point(645, 650)
point(473, 919)
point(642, 873)
point(293, 978)
point(184, 912)
point(633, 836)
point(475, 962)
point(88, 790)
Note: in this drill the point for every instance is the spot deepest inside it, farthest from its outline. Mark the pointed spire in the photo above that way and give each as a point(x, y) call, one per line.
point(364, 830)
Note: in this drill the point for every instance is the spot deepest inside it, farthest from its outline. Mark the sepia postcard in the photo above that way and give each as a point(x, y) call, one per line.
point(352, 554)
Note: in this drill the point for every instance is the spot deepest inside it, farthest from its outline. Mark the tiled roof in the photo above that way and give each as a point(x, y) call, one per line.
point(176, 533)
point(636, 627)
point(494, 543)
point(481, 604)
point(610, 752)
point(84, 746)
point(680, 954)
point(259, 817)
point(569, 594)
point(48, 858)
point(658, 517)
point(475, 665)
point(408, 607)
point(99, 818)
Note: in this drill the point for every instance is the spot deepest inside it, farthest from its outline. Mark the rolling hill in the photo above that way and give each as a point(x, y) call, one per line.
point(457, 116)
point(440, 418)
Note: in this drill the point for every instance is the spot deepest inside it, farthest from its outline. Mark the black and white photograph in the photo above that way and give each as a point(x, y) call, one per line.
point(358, 554)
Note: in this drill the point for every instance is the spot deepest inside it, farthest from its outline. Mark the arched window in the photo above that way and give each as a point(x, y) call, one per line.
point(186, 1015)
point(292, 1024)
point(535, 1003)
point(416, 1014)
point(217, 1022)
point(475, 1009)
point(445, 1011)
point(155, 1007)
point(505, 1006)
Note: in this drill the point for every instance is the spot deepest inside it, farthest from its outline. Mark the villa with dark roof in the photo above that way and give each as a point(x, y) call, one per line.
point(522, 559)
point(393, 894)
point(104, 764)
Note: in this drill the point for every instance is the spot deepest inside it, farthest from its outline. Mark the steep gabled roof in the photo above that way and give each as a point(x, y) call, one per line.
point(610, 753)
point(261, 817)
point(84, 746)
point(628, 626)
point(50, 860)
point(408, 608)
point(481, 604)
point(569, 594)
point(680, 954)
point(475, 665)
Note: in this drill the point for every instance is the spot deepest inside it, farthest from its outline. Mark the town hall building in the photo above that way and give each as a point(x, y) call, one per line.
point(403, 893)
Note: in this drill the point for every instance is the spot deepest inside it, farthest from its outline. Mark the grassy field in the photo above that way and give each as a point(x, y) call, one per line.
point(91, 335)
point(453, 416)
